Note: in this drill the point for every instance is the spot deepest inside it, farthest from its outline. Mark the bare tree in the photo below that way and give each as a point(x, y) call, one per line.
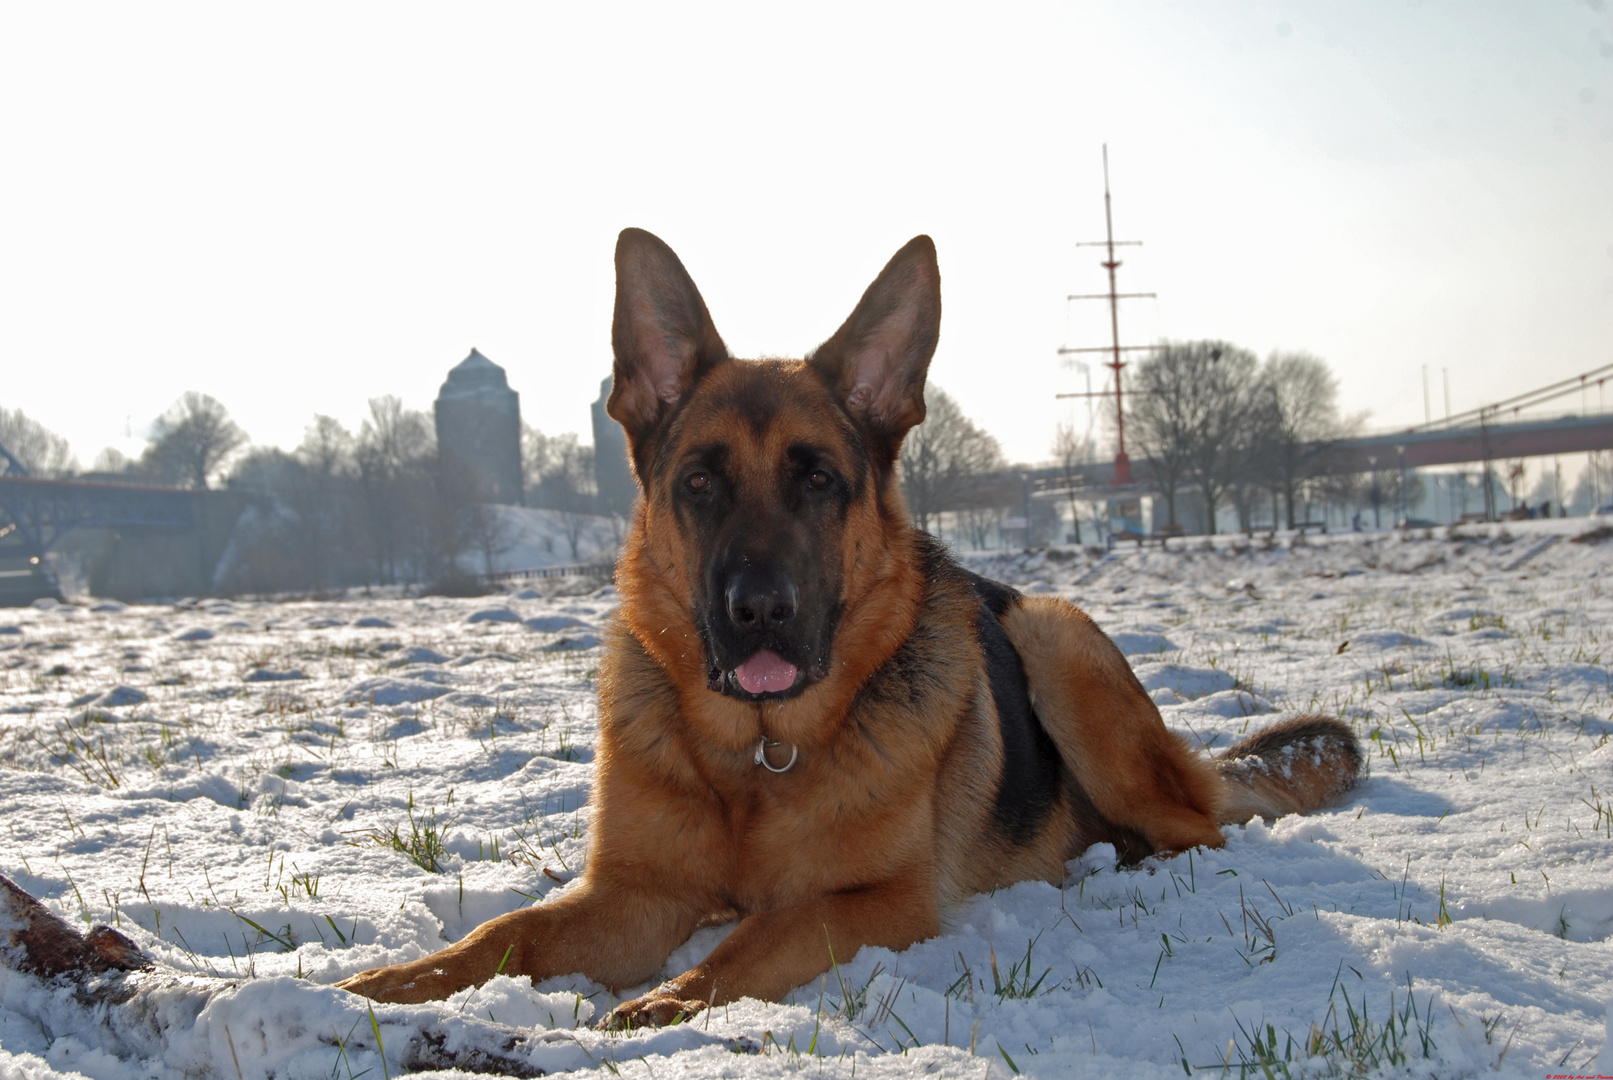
point(1070, 452)
point(944, 459)
point(571, 488)
point(1252, 450)
point(1303, 399)
point(396, 459)
point(192, 440)
point(394, 437)
point(316, 493)
point(1161, 414)
point(327, 447)
point(38, 449)
point(1222, 436)
point(1189, 414)
point(535, 461)
point(113, 461)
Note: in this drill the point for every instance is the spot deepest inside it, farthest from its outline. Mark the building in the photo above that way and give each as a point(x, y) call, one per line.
point(612, 473)
point(479, 425)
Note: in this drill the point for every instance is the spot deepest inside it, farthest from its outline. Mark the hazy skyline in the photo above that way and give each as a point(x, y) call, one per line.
point(298, 208)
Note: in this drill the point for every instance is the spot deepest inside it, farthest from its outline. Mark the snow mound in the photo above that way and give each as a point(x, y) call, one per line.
point(572, 644)
point(419, 654)
point(1184, 682)
point(195, 633)
point(388, 691)
point(498, 614)
point(121, 695)
point(1134, 643)
point(549, 624)
point(273, 675)
point(1389, 639)
point(1231, 704)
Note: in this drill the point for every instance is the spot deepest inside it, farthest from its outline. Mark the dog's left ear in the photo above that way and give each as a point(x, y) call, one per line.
point(877, 360)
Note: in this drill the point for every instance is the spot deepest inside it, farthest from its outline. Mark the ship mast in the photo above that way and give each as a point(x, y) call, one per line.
point(1111, 263)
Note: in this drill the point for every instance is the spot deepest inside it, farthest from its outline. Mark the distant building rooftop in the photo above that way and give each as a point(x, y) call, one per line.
point(472, 375)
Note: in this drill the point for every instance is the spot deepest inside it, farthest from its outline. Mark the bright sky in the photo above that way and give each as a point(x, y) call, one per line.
point(296, 207)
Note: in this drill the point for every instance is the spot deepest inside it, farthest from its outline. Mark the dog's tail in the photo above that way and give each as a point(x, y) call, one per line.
point(1293, 767)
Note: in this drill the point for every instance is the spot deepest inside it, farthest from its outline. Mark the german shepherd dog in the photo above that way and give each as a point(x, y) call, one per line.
point(812, 719)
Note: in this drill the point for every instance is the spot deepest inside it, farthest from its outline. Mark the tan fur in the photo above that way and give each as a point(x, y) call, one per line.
point(887, 818)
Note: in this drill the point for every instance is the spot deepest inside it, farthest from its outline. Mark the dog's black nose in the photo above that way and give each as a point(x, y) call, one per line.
point(760, 599)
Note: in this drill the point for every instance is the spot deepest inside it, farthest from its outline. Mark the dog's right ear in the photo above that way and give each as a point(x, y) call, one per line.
point(662, 335)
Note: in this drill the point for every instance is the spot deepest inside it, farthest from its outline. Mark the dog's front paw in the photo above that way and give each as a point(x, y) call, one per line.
point(658, 1008)
point(402, 984)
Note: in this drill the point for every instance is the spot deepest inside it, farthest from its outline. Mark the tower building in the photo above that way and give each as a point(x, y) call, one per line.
point(614, 476)
point(479, 424)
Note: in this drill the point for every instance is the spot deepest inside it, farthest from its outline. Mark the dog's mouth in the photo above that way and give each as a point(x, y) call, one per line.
point(766, 673)
point(763, 676)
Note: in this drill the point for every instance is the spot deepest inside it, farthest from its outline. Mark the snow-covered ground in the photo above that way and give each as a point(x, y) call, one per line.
point(290, 792)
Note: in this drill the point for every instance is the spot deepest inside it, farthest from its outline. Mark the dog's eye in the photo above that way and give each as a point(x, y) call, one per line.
point(819, 480)
point(699, 483)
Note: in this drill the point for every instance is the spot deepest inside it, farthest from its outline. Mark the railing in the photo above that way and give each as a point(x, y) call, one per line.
point(602, 570)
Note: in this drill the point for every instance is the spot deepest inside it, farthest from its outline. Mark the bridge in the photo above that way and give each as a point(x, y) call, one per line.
point(1476, 436)
point(1415, 448)
point(36, 512)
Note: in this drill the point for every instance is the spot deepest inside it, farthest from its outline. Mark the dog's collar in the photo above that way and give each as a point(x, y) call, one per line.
point(761, 756)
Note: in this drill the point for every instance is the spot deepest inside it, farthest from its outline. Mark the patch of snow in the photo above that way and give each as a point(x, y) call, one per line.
point(391, 691)
point(416, 654)
point(1185, 681)
point(500, 614)
point(1134, 644)
point(572, 644)
point(275, 675)
point(120, 696)
point(548, 624)
point(1387, 639)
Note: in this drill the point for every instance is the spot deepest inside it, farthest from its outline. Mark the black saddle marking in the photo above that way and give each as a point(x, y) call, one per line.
point(996, 596)
point(1029, 785)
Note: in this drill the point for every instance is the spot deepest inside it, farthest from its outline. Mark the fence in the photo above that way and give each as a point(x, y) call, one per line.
point(599, 570)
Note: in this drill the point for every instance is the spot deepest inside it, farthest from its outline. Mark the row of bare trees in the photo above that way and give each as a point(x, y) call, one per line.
point(1210, 417)
point(947, 465)
point(33, 447)
point(1213, 416)
point(190, 445)
point(378, 507)
point(388, 506)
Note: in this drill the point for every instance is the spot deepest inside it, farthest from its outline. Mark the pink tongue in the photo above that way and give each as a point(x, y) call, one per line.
point(765, 673)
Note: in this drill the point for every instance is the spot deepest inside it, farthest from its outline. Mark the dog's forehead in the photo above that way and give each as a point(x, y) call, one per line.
point(762, 411)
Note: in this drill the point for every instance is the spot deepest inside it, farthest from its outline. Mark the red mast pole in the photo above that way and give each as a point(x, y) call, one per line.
point(1122, 462)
